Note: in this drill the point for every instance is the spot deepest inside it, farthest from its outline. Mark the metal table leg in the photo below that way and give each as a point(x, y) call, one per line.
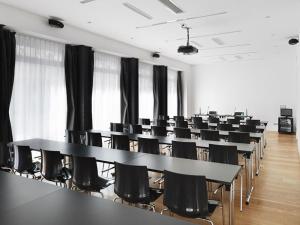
point(249, 187)
point(257, 157)
point(231, 204)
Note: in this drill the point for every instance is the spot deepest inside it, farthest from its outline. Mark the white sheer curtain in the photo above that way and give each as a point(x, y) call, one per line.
point(39, 106)
point(172, 93)
point(146, 91)
point(106, 90)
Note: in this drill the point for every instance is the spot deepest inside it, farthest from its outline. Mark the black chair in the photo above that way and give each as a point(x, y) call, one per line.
point(213, 119)
point(187, 196)
point(179, 118)
point(135, 129)
point(23, 163)
point(116, 127)
point(201, 126)
point(120, 142)
point(238, 113)
point(197, 119)
point(160, 123)
point(253, 122)
point(52, 167)
point(228, 155)
point(185, 150)
point(148, 145)
point(93, 139)
point(132, 185)
point(212, 113)
point(235, 120)
point(158, 131)
point(163, 117)
point(248, 128)
point(239, 137)
point(225, 127)
point(74, 136)
point(85, 175)
point(144, 121)
point(181, 124)
point(182, 132)
point(5, 158)
point(210, 135)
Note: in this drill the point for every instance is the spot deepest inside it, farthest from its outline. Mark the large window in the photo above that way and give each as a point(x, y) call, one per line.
point(172, 92)
point(39, 106)
point(106, 90)
point(145, 90)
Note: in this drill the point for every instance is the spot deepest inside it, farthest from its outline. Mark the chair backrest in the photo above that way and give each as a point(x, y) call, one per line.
point(238, 113)
point(4, 155)
point(179, 118)
point(131, 183)
point(185, 195)
point(181, 123)
point(185, 150)
point(120, 142)
point(223, 154)
point(239, 137)
point(210, 135)
point(235, 120)
point(253, 122)
point(213, 119)
point(22, 158)
point(163, 117)
point(93, 139)
point(212, 113)
point(51, 164)
point(201, 125)
point(84, 172)
point(182, 132)
point(197, 119)
point(247, 128)
point(135, 129)
point(160, 123)
point(158, 131)
point(225, 127)
point(116, 127)
point(148, 145)
point(74, 136)
point(144, 121)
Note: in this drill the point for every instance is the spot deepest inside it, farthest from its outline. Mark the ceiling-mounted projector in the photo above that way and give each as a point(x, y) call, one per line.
point(187, 49)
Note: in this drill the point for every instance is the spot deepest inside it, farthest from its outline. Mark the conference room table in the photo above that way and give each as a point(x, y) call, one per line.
point(246, 150)
point(28, 201)
point(214, 172)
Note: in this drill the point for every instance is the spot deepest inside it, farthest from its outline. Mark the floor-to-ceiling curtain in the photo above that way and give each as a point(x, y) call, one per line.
point(172, 92)
point(146, 90)
point(179, 94)
point(38, 107)
point(106, 90)
point(7, 69)
point(129, 83)
point(79, 67)
point(160, 91)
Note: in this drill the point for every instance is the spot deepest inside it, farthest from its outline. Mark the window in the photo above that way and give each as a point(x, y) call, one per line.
point(146, 91)
point(106, 90)
point(172, 93)
point(39, 104)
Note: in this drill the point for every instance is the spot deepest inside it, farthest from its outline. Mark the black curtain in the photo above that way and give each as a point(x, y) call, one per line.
point(179, 94)
point(7, 72)
point(129, 90)
point(79, 68)
point(160, 91)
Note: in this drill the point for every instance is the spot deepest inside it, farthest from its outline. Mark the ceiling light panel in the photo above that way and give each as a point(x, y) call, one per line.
point(171, 6)
point(86, 1)
point(137, 10)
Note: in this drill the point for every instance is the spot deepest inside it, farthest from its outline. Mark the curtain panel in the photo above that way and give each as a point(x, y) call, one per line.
point(129, 83)
point(79, 67)
point(160, 91)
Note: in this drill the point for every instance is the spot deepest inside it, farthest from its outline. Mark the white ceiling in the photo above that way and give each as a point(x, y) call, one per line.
point(255, 28)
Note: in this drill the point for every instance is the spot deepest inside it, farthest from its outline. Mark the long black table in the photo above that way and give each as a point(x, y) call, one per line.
point(32, 202)
point(212, 171)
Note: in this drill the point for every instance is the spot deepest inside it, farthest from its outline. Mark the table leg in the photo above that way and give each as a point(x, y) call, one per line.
point(257, 157)
point(249, 187)
point(231, 203)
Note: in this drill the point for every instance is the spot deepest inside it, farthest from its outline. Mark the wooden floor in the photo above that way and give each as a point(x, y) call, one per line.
point(276, 195)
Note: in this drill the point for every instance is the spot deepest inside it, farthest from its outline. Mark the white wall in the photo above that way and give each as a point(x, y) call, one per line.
point(298, 95)
point(259, 86)
point(28, 23)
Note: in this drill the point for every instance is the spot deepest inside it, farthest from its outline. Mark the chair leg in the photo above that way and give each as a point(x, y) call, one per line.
point(164, 210)
point(241, 193)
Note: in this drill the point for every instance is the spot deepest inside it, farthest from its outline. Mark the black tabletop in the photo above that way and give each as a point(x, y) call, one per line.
point(216, 172)
point(16, 191)
point(66, 207)
point(101, 154)
point(242, 148)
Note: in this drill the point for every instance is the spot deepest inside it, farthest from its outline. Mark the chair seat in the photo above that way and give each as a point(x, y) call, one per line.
point(155, 193)
point(36, 168)
point(102, 183)
point(64, 175)
point(212, 205)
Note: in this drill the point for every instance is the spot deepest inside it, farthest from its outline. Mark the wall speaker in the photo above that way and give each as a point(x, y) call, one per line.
point(55, 23)
point(156, 55)
point(293, 41)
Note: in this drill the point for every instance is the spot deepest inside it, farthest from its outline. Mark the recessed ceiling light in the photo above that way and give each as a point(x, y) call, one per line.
point(89, 22)
point(137, 10)
point(218, 41)
point(86, 1)
point(268, 17)
point(171, 6)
